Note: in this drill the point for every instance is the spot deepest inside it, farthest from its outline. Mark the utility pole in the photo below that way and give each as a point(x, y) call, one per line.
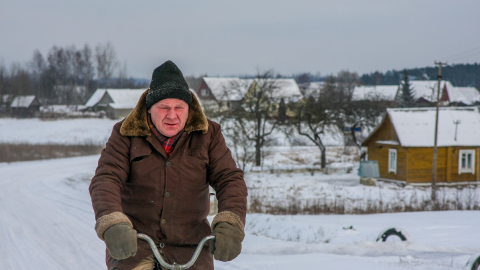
point(434, 163)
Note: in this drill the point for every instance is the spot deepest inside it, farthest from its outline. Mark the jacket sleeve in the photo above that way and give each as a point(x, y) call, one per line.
point(228, 182)
point(110, 177)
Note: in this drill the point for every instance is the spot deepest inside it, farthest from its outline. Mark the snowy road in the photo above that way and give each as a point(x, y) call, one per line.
point(46, 222)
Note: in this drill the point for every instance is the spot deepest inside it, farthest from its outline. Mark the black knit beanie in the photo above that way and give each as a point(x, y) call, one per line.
point(168, 82)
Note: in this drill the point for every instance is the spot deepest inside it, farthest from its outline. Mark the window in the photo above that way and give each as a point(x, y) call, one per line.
point(466, 161)
point(204, 92)
point(392, 160)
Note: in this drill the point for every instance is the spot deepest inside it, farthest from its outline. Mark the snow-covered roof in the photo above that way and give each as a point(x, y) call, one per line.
point(285, 88)
point(428, 89)
point(228, 88)
point(415, 126)
point(95, 98)
point(122, 98)
point(22, 101)
point(378, 92)
point(465, 95)
point(126, 98)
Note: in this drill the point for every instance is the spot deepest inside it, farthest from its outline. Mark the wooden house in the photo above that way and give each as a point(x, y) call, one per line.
point(403, 145)
point(25, 106)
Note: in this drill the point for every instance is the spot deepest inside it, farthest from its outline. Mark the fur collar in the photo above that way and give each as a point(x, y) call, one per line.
point(136, 123)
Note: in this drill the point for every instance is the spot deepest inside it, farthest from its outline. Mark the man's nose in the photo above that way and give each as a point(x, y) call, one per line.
point(171, 113)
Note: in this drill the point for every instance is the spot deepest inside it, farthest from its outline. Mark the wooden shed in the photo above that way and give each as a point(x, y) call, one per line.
point(403, 145)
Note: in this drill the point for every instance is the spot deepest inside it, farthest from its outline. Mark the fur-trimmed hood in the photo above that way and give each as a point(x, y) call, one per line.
point(136, 123)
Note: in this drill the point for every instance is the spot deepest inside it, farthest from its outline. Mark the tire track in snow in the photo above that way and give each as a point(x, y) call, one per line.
point(45, 223)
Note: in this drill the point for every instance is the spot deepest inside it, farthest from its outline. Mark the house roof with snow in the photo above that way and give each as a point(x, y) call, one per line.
point(284, 88)
point(228, 88)
point(428, 89)
point(121, 98)
point(465, 95)
point(415, 127)
point(95, 98)
point(23, 101)
point(377, 92)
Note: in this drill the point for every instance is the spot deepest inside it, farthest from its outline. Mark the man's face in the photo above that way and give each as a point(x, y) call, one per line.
point(169, 116)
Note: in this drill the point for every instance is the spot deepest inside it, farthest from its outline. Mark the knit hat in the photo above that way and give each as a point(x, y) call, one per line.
point(168, 82)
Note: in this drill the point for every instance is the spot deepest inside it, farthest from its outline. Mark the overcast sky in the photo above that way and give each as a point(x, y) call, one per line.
point(221, 37)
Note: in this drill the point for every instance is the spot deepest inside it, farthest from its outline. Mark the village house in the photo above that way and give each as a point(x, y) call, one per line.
point(280, 90)
point(222, 93)
point(24, 106)
point(117, 103)
point(402, 144)
point(425, 94)
point(377, 92)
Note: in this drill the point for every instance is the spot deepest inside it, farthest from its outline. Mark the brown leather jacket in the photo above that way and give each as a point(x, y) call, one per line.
point(164, 197)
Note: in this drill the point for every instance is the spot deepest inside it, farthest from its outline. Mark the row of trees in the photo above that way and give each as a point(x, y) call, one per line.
point(458, 74)
point(265, 110)
point(65, 75)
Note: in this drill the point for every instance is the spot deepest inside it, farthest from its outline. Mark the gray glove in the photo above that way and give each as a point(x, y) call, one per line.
point(228, 242)
point(121, 240)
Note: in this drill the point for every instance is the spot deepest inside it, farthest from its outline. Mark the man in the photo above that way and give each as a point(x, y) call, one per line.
point(153, 177)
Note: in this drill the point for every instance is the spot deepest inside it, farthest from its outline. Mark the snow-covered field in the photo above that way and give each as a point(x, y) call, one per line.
point(62, 131)
point(47, 223)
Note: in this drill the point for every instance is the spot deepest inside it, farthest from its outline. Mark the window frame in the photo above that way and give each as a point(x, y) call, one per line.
point(467, 152)
point(390, 168)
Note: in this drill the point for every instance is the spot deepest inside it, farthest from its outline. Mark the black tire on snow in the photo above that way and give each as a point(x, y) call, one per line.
point(393, 231)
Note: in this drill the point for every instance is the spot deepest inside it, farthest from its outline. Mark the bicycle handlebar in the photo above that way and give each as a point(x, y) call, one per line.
point(174, 266)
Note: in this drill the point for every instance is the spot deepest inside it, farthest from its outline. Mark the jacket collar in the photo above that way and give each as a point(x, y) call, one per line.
point(136, 123)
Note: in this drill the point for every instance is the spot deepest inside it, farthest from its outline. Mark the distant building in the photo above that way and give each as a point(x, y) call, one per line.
point(222, 92)
point(24, 106)
point(425, 94)
point(403, 145)
point(282, 89)
point(117, 103)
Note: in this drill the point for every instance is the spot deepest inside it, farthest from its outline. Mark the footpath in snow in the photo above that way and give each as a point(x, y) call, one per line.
point(47, 223)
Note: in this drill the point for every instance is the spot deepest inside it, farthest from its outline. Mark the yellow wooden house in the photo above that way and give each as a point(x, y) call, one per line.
point(402, 144)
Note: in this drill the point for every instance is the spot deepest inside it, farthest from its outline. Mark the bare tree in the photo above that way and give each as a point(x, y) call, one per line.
point(107, 61)
point(318, 116)
point(254, 116)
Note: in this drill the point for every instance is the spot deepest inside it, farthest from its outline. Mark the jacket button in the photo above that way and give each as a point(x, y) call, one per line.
point(164, 221)
point(167, 194)
point(169, 164)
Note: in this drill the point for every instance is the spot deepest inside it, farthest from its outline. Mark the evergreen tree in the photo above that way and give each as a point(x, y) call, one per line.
point(407, 95)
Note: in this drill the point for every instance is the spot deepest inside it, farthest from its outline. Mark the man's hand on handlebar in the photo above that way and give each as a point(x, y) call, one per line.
point(228, 242)
point(121, 240)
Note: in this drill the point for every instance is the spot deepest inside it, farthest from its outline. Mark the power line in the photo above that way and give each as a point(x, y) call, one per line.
point(465, 56)
point(461, 54)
